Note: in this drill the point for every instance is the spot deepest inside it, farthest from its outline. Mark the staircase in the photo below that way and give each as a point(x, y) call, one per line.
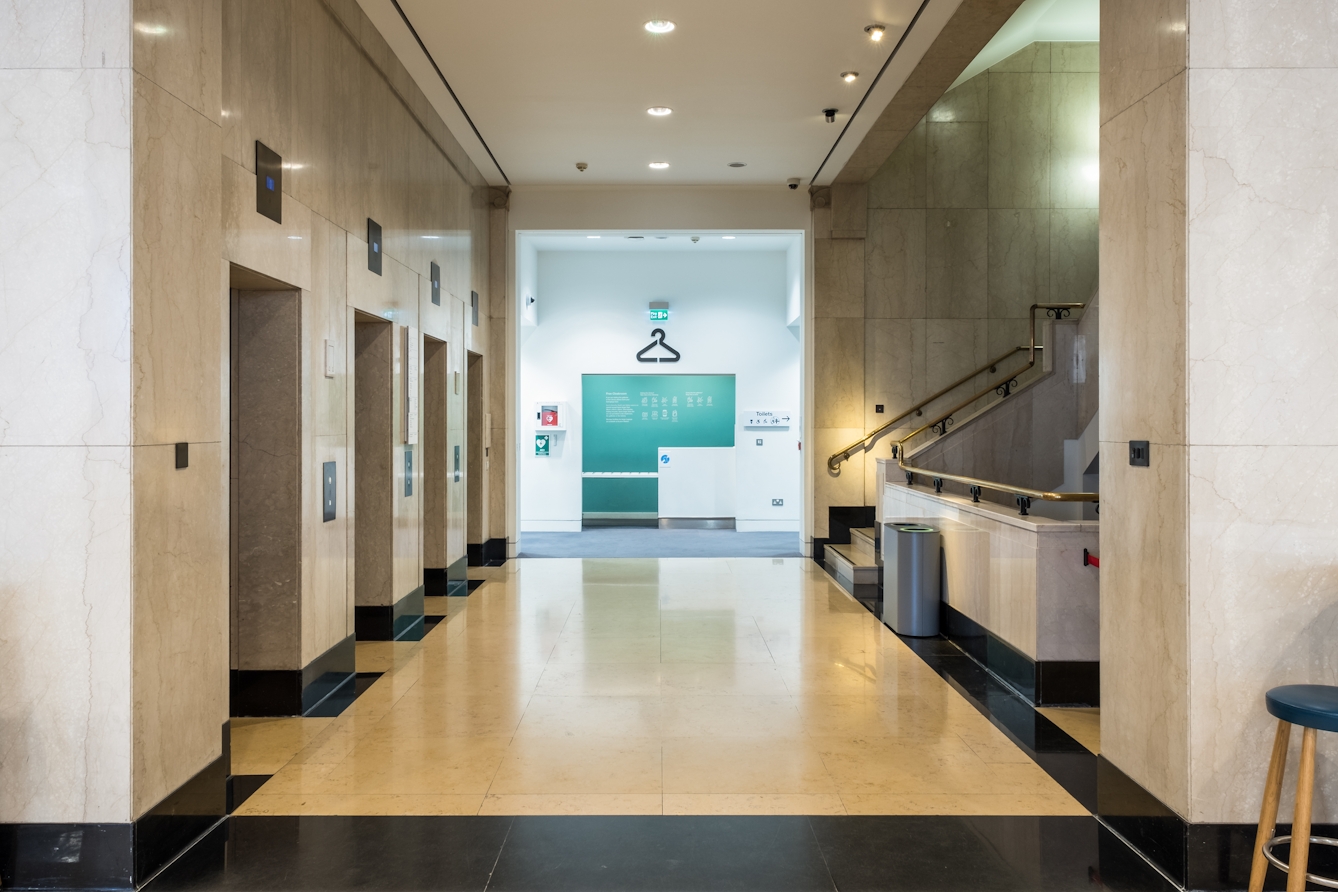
point(857, 566)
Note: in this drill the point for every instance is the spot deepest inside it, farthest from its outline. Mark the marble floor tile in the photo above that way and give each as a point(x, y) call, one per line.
point(649, 687)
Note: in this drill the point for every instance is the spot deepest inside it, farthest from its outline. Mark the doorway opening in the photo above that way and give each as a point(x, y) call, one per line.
point(436, 467)
point(660, 388)
point(279, 666)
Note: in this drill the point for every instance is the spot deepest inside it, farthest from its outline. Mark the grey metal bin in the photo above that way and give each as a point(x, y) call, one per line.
point(911, 579)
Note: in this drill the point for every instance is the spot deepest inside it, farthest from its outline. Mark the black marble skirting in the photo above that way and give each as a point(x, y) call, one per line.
point(491, 553)
point(457, 578)
point(402, 621)
point(116, 856)
point(325, 684)
point(1041, 682)
point(434, 581)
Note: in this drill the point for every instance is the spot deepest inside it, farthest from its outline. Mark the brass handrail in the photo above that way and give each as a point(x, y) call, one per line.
point(1059, 310)
point(836, 458)
point(1022, 494)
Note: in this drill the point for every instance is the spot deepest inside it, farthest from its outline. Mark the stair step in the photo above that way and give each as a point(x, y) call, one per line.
point(865, 540)
point(845, 562)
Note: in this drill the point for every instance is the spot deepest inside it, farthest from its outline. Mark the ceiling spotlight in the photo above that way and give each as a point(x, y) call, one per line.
point(875, 32)
point(737, 164)
point(658, 165)
point(659, 26)
point(830, 115)
point(659, 111)
point(849, 76)
point(581, 166)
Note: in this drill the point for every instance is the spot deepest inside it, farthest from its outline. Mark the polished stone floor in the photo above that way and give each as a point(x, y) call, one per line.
point(680, 686)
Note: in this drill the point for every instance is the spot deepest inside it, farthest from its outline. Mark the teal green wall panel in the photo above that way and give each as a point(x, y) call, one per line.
point(622, 495)
point(625, 419)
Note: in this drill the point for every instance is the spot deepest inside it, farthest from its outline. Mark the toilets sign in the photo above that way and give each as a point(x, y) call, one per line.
point(766, 418)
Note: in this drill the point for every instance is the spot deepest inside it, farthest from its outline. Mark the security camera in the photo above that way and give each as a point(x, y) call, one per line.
point(793, 182)
point(830, 115)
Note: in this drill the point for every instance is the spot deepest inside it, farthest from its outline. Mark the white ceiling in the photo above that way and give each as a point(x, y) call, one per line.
point(550, 84)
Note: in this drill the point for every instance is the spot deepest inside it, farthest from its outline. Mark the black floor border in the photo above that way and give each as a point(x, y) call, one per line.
point(664, 853)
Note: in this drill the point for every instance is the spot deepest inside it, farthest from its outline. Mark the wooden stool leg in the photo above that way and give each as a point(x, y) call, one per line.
point(1268, 815)
point(1305, 791)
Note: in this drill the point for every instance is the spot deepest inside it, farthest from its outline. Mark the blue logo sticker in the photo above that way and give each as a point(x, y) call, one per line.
point(664, 459)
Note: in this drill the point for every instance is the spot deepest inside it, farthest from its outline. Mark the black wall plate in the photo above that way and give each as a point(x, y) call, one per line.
point(183, 455)
point(436, 284)
point(1140, 453)
point(328, 495)
point(269, 182)
point(474, 305)
point(408, 471)
point(374, 246)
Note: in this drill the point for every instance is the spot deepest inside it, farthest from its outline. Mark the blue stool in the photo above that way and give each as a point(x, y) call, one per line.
point(1315, 708)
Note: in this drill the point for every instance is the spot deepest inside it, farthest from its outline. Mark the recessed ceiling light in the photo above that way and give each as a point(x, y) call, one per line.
point(659, 26)
point(727, 236)
point(658, 165)
point(433, 237)
point(296, 238)
point(592, 236)
point(876, 32)
point(737, 164)
point(659, 111)
point(849, 76)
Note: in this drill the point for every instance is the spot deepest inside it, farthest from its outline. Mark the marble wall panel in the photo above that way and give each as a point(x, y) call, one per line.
point(180, 671)
point(1144, 616)
point(968, 101)
point(1012, 603)
point(254, 241)
point(850, 209)
point(1074, 252)
point(1074, 140)
point(953, 347)
point(1068, 598)
point(1019, 139)
point(68, 235)
point(1019, 260)
point(1263, 587)
point(838, 378)
point(179, 46)
point(436, 387)
point(1262, 285)
point(1074, 56)
point(326, 597)
point(957, 168)
point(65, 632)
point(406, 505)
point(257, 77)
point(1033, 58)
point(900, 182)
point(844, 487)
point(1143, 46)
point(325, 318)
point(1250, 34)
point(956, 263)
point(838, 277)
point(67, 34)
point(457, 402)
point(176, 340)
point(888, 370)
point(894, 265)
point(1142, 276)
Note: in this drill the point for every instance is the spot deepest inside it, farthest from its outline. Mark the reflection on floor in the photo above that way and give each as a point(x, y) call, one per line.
point(1083, 725)
point(643, 542)
point(674, 686)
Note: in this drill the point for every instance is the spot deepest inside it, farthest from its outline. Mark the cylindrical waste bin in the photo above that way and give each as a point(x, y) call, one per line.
point(911, 579)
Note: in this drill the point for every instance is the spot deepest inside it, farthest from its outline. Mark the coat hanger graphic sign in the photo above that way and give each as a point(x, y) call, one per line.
point(658, 334)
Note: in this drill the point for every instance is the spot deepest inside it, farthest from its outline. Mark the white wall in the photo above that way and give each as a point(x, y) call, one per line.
point(728, 315)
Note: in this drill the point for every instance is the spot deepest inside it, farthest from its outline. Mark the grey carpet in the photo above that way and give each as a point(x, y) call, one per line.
point(626, 542)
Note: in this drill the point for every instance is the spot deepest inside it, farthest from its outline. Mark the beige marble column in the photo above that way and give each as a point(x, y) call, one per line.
point(1219, 278)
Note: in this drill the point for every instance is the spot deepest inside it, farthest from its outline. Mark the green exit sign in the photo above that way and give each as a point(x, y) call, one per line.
point(659, 315)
